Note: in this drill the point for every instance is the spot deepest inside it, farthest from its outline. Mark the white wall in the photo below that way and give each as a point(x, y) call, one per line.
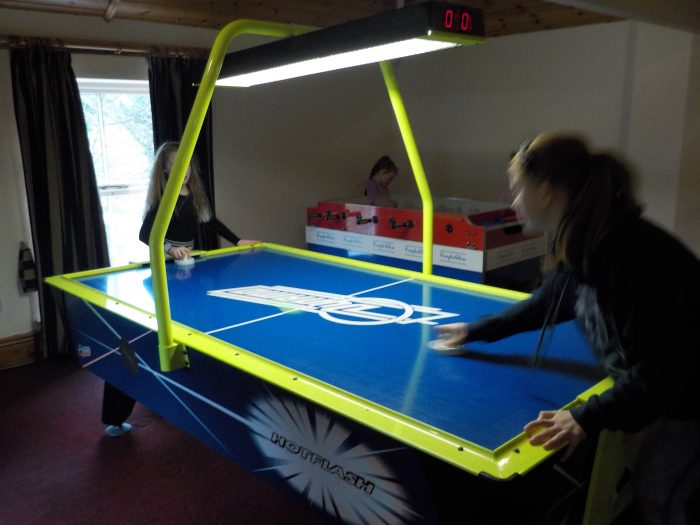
point(687, 223)
point(15, 306)
point(280, 148)
point(657, 98)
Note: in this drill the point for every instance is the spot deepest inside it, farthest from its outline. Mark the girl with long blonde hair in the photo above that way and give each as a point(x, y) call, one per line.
point(192, 207)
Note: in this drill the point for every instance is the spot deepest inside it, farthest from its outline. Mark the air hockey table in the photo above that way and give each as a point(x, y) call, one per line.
point(314, 372)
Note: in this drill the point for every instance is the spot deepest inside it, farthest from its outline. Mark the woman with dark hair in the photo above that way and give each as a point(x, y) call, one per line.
point(635, 291)
point(377, 189)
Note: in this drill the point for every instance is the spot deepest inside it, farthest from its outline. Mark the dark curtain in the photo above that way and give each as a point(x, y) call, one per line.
point(64, 205)
point(172, 85)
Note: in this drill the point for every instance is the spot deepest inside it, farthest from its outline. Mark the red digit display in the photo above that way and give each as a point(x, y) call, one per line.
point(449, 18)
point(458, 19)
point(465, 22)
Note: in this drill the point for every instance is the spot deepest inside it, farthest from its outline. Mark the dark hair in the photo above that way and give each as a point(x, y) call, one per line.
point(383, 164)
point(599, 187)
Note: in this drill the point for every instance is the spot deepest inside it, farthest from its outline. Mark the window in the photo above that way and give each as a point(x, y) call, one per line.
point(118, 118)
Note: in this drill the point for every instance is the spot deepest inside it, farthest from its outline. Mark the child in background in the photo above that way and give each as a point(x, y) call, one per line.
point(377, 189)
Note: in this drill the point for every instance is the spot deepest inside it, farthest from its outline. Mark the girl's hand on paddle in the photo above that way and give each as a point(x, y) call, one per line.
point(453, 334)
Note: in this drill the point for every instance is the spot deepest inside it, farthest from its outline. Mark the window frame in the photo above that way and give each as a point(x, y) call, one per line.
point(92, 86)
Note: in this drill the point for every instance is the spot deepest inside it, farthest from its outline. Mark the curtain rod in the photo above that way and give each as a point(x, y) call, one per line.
point(103, 48)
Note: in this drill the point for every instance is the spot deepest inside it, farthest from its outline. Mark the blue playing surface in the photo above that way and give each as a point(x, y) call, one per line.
point(355, 343)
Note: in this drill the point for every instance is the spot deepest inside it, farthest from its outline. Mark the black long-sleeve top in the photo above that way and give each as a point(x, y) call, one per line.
point(183, 225)
point(639, 307)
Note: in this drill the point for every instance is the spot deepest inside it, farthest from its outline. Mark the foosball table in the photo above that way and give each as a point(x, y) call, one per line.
point(476, 241)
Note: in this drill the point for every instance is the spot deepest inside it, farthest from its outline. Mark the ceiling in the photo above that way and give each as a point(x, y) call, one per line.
point(502, 17)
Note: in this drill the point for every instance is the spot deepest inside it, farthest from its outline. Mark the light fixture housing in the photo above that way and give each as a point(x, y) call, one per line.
point(393, 34)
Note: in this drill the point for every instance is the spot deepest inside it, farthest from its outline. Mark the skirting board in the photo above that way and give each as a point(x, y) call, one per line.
point(17, 350)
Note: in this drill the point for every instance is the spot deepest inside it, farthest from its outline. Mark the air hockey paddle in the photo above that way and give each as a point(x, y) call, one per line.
point(439, 346)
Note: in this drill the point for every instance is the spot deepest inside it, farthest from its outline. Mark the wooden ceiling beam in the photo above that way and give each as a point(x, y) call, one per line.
point(78, 7)
point(680, 14)
point(502, 17)
point(217, 13)
point(531, 18)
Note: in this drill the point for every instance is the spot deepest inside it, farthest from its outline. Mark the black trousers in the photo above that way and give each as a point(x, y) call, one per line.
point(666, 477)
point(116, 406)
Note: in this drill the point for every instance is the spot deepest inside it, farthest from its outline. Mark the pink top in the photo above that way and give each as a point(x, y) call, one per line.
point(373, 190)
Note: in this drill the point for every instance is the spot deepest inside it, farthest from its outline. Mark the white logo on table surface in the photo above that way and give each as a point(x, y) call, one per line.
point(337, 308)
point(319, 458)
